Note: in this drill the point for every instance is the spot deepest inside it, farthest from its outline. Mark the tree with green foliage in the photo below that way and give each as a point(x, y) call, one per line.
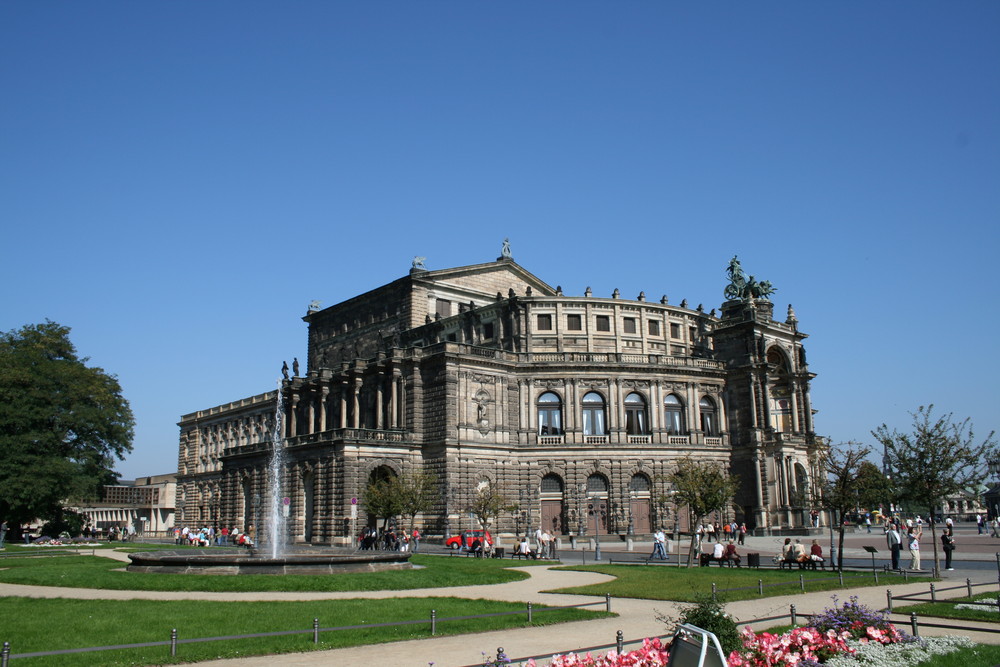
point(489, 503)
point(939, 459)
point(400, 495)
point(843, 488)
point(63, 424)
point(705, 487)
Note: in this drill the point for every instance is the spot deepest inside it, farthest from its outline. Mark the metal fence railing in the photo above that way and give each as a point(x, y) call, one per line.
point(175, 641)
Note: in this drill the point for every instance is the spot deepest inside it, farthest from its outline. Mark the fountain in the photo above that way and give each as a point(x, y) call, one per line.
point(277, 558)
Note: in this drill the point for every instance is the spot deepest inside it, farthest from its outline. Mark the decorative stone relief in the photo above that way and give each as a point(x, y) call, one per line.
point(482, 400)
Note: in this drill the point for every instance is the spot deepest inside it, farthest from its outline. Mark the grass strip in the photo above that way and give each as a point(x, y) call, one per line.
point(32, 625)
point(946, 609)
point(652, 582)
point(980, 655)
point(102, 573)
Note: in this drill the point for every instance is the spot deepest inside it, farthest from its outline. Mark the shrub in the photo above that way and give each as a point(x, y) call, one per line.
point(709, 614)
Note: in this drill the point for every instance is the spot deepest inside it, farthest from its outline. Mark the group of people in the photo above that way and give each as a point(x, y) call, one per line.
point(208, 536)
point(723, 553)
point(795, 552)
point(715, 532)
point(896, 536)
point(545, 543)
point(387, 539)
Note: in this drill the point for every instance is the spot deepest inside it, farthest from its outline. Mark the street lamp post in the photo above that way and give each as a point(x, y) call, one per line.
point(631, 518)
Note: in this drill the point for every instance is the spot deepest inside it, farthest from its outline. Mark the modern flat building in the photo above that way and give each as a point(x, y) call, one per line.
point(578, 406)
point(146, 503)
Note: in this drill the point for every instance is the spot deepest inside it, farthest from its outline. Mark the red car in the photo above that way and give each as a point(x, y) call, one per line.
point(467, 537)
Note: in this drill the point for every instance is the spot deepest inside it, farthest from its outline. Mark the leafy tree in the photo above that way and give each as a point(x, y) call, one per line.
point(418, 492)
point(705, 487)
point(62, 425)
point(400, 495)
point(843, 488)
point(489, 503)
point(874, 488)
point(939, 459)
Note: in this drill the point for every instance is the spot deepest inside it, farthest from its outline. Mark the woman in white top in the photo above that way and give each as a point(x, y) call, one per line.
point(913, 544)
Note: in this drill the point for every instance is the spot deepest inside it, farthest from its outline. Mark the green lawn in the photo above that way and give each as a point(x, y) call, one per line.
point(980, 655)
point(948, 610)
point(32, 625)
point(653, 582)
point(103, 573)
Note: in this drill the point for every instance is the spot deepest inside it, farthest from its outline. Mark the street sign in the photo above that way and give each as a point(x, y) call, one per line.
point(354, 511)
point(354, 501)
point(286, 501)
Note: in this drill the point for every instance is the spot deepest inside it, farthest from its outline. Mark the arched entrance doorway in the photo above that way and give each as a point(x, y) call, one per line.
point(639, 503)
point(553, 507)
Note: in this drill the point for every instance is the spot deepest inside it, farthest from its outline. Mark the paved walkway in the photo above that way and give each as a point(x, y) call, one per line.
point(635, 618)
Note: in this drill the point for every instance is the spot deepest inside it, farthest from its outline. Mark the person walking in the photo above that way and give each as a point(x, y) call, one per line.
point(894, 541)
point(743, 533)
point(913, 544)
point(659, 545)
point(415, 541)
point(868, 523)
point(979, 523)
point(948, 543)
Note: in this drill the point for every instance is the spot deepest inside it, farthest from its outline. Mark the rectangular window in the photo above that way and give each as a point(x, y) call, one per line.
point(488, 331)
point(603, 323)
point(443, 308)
point(574, 323)
point(692, 333)
point(675, 330)
point(545, 322)
point(629, 325)
point(654, 328)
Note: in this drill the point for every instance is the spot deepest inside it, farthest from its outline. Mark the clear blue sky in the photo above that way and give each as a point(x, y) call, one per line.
point(178, 180)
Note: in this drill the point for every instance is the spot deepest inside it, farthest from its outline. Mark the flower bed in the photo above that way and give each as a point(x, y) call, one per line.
point(844, 635)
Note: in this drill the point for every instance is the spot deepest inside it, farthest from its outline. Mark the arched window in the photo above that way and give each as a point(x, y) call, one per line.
point(635, 415)
point(594, 422)
point(597, 485)
point(673, 415)
point(549, 414)
point(639, 484)
point(551, 483)
point(709, 417)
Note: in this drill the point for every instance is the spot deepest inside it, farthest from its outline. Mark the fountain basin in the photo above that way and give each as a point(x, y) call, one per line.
point(233, 562)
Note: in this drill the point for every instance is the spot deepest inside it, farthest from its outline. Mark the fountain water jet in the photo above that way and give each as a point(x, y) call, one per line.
point(276, 524)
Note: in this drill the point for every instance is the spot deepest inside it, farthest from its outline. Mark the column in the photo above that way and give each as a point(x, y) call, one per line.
point(356, 404)
point(379, 417)
point(292, 417)
point(753, 403)
point(311, 427)
point(394, 400)
point(323, 396)
point(343, 404)
point(522, 419)
point(795, 407)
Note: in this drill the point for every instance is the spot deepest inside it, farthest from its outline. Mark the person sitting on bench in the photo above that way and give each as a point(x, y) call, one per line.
point(477, 548)
point(524, 549)
point(816, 554)
point(731, 554)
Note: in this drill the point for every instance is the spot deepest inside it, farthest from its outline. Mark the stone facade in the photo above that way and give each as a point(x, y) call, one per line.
point(578, 406)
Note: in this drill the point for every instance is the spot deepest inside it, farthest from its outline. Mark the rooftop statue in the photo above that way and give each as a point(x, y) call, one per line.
point(505, 251)
point(741, 287)
point(418, 262)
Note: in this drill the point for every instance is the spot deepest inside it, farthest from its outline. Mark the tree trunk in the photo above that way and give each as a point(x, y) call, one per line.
point(840, 547)
point(694, 535)
point(930, 520)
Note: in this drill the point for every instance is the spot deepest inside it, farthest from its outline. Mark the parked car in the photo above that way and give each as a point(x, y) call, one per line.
point(465, 540)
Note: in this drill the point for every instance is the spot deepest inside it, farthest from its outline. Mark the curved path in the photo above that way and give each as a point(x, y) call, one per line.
point(635, 618)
